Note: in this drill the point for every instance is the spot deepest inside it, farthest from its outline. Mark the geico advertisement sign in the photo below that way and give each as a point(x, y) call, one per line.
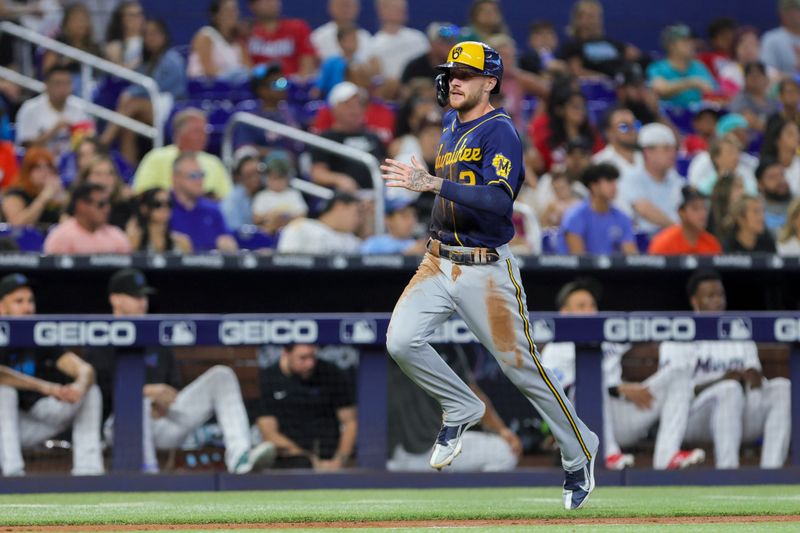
point(787, 329)
point(93, 333)
point(643, 329)
point(234, 332)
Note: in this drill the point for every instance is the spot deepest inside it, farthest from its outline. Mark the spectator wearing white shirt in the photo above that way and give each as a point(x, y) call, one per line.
point(48, 118)
point(779, 46)
point(237, 206)
point(278, 204)
point(395, 44)
point(725, 154)
point(789, 236)
point(621, 150)
point(344, 14)
point(651, 195)
point(333, 232)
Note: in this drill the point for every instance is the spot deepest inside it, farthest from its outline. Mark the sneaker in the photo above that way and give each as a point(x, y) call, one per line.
point(686, 458)
point(256, 459)
point(578, 485)
point(619, 461)
point(448, 444)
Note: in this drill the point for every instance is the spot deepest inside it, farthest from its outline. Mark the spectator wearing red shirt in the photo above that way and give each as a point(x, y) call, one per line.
point(704, 124)
point(721, 36)
point(378, 118)
point(286, 41)
point(689, 236)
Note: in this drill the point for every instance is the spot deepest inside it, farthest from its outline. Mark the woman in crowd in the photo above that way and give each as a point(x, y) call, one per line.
point(125, 35)
point(749, 233)
point(149, 230)
point(36, 198)
point(781, 142)
point(789, 236)
point(725, 154)
point(485, 20)
point(102, 171)
point(726, 192)
point(76, 31)
point(746, 50)
point(216, 49)
point(166, 67)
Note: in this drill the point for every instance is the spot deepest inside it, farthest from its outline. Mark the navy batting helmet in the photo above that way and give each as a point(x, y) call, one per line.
point(473, 55)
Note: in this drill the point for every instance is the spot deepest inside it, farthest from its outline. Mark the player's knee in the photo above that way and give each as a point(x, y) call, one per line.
point(730, 391)
point(399, 342)
point(221, 373)
point(781, 390)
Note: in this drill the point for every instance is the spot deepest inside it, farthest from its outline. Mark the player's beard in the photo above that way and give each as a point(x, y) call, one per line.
point(468, 103)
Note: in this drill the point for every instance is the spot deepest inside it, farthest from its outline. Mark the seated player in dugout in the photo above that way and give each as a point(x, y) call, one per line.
point(44, 391)
point(733, 402)
point(173, 412)
point(308, 411)
point(630, 409)
point(414, 416)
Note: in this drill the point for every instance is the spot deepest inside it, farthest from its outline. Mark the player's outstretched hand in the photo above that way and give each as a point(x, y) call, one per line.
point(414, 177)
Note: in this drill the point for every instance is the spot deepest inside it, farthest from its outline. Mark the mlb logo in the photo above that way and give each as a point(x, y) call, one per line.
point(543, 329)
point(359, 331)
point(180, 333)
point(5, 334)
point(735, 328)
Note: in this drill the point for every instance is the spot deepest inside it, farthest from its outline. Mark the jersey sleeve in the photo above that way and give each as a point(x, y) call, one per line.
point(751, 359)
point(502, 159)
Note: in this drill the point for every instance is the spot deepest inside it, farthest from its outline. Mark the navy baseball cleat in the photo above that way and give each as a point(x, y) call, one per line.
point(448, 444)
point(578, 485)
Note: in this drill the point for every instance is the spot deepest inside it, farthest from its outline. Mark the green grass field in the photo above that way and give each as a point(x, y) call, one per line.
point(226, 508)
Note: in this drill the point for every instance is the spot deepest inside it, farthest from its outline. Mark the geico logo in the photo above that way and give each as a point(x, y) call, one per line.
point(453, 331)
point(84, 333)
point(267, 331)
point(787, 329)
point(640, 329)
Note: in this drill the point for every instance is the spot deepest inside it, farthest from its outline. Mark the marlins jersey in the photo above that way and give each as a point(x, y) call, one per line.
point(484, 151)
point(710, 360)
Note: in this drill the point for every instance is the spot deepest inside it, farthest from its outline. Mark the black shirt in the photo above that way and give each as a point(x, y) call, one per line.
point(600, 55)
point(531, 61)
point(50, 215)
point(306, 409)
point(36, 362)
point(419, 67)
point(160, 367)
point(363, 140)
point(764, 243)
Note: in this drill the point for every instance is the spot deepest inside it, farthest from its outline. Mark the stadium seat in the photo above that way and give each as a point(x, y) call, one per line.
point(212, 89)
point(250, 237)
point(682, 165)
point(549, 240)
point(642, 241)
point(27, 239)
point(598, 90)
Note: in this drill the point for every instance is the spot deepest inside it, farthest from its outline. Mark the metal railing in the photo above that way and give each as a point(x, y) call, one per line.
point(314, 140)
point(89, 61)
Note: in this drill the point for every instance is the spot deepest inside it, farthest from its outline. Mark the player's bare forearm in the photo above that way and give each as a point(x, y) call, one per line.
point(270, 432)
point(20, 381)
point(349, 432)
point(79, 370)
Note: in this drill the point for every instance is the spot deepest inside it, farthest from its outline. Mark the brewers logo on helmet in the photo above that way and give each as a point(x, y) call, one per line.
point(473, 55)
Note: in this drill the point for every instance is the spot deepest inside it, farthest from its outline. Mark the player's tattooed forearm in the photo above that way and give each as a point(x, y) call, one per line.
point(421, 181)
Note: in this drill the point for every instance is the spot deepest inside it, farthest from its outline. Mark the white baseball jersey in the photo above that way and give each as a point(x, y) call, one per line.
point(710, 360)
point(560, 358)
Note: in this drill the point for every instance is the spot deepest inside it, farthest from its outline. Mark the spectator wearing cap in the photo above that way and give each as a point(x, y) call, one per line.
point(621, 149)
point(237, 207)
point(401, 222)
point(680, 80)
point(651, 195)
point(753, 101)
point(376, 116)
point(333, 232)
point(748, 232)
point(348, 103)
point(442, 36)
point(779, 46)
point(278, 204)
point(394, 45)
point(595, 226)
point(190, 134)
point(274, 39)
point(269, 85)
point(774, 189)
point(343, 14)
point(350, 63)
point(589, 53)
point(87, 231)
point(192, 213)
point(636, 95)
point(721, 36)
point(44, 391)
point(781, 142)
point(542, 46)
point(726, 154)
point(689, 236)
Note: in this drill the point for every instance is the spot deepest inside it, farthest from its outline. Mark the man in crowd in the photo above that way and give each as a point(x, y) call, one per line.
point(190, 134)
point(779, 46)
point(651, 195)
point(630, 410)
point(621, 150)
point(276, 39)
point(401, 223)
point(62, 394)
point(193, 214)
point(595, 226)
point(308, 411)
point(87, 231)
point(333, 232)
point(172, 413)
point(344, 14)
point(237, 207)
point(47, 118)
point(441, 36)
point(348, 103)
point(774, 188)
point(689, 236)
point(733, 401)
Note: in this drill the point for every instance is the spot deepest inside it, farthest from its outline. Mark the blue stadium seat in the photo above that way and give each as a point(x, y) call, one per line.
point(549, 240)
point(250, 237)
point(213, 89)
point(599, 90)
point(682, 165)
point(642, 241)
point(681, 118)
point(28, 239)
point(597, 109)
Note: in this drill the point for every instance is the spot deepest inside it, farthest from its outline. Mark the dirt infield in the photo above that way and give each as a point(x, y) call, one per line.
point(417, 523)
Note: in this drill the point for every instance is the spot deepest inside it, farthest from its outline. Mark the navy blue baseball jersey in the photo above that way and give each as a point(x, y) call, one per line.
point(484, 151)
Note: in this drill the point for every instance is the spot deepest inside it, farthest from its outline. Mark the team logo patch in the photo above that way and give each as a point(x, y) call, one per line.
point(502, 165)
point(457, 52)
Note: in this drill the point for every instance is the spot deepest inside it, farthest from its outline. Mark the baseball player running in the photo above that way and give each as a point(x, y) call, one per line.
point(470, 270)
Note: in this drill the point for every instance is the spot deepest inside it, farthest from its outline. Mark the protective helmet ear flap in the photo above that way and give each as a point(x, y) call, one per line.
point(442, 89)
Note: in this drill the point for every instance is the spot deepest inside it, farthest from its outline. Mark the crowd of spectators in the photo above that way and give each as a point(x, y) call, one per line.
point(692, 148)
